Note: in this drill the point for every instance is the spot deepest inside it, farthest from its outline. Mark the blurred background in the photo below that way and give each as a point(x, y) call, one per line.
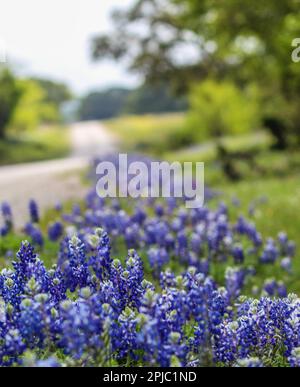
point(183, 80)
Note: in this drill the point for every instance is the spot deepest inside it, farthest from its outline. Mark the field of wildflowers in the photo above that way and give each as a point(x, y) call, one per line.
point(147, 283)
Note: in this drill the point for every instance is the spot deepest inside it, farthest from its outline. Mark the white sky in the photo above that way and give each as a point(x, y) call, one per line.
point(51, 38)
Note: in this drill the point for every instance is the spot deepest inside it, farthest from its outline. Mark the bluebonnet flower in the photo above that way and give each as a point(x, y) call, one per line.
point(34, 211)
point(124, 339)
point(158, 258)
point(93, 310)
point(159, 210)
point(8, 219)
point(167, 279)
point(139, 216)
point(238, 254)
point(196, 243)
point(35, 234)
point(294, 359)
point(246, 228)
point(281, 289)
point(234, 278)
point(101, 262)
point(55, 231)
point(12, 347)
point(291, 249)
point(119, 287)
point(27, 267)
point(270, 286)
point(36, 323)
point(173, 349)
point(132, 236)
point(134, 275)
point(83, 326)
point(270, 252)
point(286, 264)
point(283, 239)
point(75, 268)
point(287, 247)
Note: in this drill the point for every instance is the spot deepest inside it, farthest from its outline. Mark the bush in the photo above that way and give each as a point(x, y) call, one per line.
point(32, 109)
point(220, 108)
point(9, 95)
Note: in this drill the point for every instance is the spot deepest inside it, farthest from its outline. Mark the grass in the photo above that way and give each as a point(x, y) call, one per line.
point(276, 178)
point(12, 241)
point(207, 151)
point(42, 144)
point(149, 133)
point(166, 136)
point(277, 202)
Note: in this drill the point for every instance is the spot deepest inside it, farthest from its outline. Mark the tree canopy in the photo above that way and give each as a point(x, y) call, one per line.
point(191, 38)
point(183, 41)
point(27, 103)
point(55, 93)
point(145, 99)
point(99, 105)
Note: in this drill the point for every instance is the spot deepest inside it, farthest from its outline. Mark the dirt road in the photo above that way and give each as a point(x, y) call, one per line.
point(50, 182)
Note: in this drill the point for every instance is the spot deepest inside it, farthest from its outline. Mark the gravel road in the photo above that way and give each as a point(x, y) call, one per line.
point(50, 182)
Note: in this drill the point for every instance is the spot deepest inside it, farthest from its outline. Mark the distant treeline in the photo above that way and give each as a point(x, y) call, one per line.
point(113, 102)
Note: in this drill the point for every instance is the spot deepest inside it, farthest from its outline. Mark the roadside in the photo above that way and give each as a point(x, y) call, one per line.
point(47, 143)
point(50, 182)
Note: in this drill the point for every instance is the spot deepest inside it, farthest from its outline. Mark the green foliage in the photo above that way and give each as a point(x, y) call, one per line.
point(243, 40)
point(153, 134)
point(143, 100)
point(103, 105)
point(276, 201)
point(35, 145)
point(156, 98)
point(9, 96)
point(27, 103)
point(55, 93)
point(219, 109)
point(32, 110)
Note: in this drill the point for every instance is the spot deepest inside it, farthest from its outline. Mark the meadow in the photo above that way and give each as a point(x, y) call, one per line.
point(45, 143)
point(144, 282)
point(272, 175)
point(135, 282)
point(156, 285)
point(149, 133)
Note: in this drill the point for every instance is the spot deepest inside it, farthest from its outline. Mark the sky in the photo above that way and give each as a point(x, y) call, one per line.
point(51, 38)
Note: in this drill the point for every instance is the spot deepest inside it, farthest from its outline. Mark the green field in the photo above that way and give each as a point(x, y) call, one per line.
point(153, 134)
point(276, 175)
point(167, 135)
point(41, 144)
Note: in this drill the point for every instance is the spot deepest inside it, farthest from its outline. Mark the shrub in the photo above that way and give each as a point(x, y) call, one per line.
point(220, 108)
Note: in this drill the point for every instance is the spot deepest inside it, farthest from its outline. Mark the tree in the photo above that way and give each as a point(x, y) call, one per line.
point(55, 93)
point(145, 99)
point(157, 98)
point(9, 96)
point(154, 49)
point(219, 108)
point(102, 105)
point(182, 41)
point(33, 108)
